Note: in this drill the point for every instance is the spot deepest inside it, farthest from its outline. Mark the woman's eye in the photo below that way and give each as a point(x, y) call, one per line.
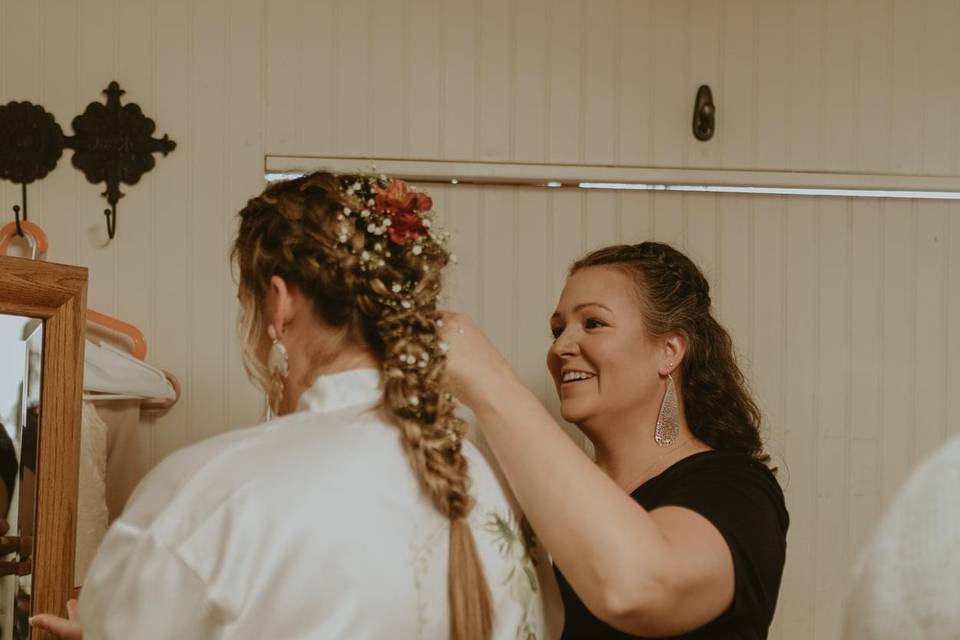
point(556, 331)
point(593, 323)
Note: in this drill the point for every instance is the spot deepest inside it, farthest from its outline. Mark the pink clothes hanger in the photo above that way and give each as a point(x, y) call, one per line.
point(39, 245)
point(10, 230)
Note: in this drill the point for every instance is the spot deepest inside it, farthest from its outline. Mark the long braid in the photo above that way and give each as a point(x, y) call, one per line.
point(316, 232)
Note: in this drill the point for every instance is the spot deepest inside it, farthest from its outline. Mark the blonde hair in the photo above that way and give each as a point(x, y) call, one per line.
point(383, 294)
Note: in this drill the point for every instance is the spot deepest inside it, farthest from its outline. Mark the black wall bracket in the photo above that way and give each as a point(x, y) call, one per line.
point(112, 143)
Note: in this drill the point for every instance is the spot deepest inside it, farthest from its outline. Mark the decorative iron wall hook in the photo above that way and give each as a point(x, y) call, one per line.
point(704, 114)
point(31, 143)
point(113, 143)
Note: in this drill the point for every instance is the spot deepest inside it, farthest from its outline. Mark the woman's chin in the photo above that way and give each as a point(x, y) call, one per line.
point(572, 413)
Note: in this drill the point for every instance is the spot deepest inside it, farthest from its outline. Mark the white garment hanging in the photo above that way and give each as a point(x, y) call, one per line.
point(92, 515)
point(111, 374)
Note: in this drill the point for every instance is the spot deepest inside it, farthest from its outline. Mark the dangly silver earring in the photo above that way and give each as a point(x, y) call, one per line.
point(668, 421)
point(278, 366)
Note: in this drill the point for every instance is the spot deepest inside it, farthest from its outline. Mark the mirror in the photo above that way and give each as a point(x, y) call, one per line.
point(21, 342)
point(42, 307)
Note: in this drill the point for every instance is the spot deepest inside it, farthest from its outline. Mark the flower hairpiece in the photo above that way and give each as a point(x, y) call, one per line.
point(389, 212)
point(393, 218)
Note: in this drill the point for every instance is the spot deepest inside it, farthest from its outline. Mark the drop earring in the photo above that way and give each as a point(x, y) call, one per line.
point(278, 366)
point(668, 421)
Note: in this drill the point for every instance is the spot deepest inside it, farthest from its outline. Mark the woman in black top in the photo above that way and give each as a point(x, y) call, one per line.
point(678, 529)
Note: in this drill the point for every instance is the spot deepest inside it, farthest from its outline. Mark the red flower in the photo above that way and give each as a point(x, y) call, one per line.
point(402, 207)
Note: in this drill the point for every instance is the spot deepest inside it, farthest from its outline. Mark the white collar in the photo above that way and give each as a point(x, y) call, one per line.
point(336, 391)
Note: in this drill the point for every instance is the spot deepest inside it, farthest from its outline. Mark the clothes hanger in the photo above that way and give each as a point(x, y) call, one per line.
point(23, 228)
point(39, 245)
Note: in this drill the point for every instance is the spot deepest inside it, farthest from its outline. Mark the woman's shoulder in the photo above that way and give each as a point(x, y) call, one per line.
point(217, 468)
point(718, 480)
point(718, 464)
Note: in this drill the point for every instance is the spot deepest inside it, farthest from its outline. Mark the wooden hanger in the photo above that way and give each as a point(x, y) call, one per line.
point(37, 239)
point(39, 246)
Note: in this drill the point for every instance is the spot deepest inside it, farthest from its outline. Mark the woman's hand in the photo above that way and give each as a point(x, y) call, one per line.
point(68, 629)
point(474, 366)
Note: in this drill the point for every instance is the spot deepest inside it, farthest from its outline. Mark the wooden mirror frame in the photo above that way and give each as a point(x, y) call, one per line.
point(57, 294)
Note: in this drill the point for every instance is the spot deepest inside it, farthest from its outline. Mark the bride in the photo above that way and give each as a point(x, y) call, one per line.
point(360, 511)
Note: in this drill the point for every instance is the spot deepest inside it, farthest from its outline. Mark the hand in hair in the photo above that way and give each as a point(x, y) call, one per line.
point(65, 629)
point(474, 366)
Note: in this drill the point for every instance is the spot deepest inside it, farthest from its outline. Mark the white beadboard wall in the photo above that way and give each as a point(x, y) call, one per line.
point(844, 310)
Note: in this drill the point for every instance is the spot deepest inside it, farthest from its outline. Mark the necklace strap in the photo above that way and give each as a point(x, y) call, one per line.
point(659, 459)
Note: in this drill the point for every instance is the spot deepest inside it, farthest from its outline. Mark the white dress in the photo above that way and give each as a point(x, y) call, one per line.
point(92, 515)
point(309, 526)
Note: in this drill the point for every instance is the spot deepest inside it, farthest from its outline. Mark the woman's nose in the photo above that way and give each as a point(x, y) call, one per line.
point(564, 345)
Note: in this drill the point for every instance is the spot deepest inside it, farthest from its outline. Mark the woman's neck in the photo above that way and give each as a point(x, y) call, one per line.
point(303, 376)
point(632, 456)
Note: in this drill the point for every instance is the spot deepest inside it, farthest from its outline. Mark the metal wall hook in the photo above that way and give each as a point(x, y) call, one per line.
point(704, 114)
point(114, 143)
point(16, 210)
point(111, 215)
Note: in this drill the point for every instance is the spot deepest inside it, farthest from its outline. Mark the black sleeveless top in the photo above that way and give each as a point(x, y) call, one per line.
point(743, 500)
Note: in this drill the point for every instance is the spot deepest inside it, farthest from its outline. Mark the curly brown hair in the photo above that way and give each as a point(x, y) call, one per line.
point(674, 297)
point(383, 294)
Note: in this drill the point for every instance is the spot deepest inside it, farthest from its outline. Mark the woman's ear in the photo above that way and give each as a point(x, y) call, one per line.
point(281, 307)
point(673, 352)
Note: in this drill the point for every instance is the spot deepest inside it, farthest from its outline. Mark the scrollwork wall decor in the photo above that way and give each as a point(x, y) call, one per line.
point(112, 143)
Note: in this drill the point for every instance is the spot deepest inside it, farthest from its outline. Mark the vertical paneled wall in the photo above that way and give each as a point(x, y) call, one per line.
point(196, 68)
point(833, 85)
point(843, 310)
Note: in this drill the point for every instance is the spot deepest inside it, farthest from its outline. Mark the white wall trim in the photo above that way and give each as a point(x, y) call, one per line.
point(518, 173)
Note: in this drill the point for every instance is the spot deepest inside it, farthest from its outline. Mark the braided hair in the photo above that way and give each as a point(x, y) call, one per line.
point(674, 297)
point(359, 249)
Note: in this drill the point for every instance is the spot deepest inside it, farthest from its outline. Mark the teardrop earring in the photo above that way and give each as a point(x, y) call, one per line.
point(278, 366)
point(668, 421)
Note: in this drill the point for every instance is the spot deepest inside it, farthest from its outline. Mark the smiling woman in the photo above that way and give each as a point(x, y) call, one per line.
point(678, 529)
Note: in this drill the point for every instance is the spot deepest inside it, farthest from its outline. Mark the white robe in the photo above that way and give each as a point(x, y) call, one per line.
point(309, 526)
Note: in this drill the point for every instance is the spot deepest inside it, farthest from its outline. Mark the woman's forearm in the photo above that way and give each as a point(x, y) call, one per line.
point(606, 545)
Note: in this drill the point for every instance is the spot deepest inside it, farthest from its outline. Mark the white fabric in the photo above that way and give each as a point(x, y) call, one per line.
point(309, 526)
point(92, 515)
point(109, 373)
point(908, 585)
